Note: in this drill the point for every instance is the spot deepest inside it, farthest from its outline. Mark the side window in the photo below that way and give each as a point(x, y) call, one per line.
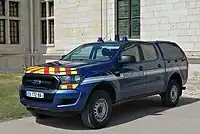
point(171, 51)
point(131, 50)
point(149, 52)
point(111, 49)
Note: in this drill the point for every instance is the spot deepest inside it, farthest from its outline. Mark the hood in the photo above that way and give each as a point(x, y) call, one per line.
point(67, 64)
point(60, 67)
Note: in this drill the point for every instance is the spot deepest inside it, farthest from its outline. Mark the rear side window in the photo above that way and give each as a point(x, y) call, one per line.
point(171, 51)
point(149, 52)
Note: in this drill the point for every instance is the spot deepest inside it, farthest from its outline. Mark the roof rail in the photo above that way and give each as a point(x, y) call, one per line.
point(139, 40)
point(164, 41)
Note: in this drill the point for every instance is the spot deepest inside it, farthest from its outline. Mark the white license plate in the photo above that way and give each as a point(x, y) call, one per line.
point(35, 94)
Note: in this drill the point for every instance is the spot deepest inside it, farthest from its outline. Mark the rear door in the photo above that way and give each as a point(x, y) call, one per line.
point(132, 76)
point(154, 68)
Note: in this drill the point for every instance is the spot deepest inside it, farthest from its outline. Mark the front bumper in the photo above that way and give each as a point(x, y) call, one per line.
point(55, 101)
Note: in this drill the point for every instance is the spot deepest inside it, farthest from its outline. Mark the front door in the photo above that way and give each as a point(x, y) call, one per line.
point(132, 76)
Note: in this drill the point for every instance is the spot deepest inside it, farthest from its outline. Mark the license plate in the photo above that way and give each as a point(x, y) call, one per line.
point(35, 94)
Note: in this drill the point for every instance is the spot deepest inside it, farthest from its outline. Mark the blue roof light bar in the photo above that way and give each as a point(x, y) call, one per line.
point(124, 38)
point(100, 39)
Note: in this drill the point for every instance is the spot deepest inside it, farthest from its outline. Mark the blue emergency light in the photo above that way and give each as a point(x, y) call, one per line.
point(100, 39)
point(124, 38)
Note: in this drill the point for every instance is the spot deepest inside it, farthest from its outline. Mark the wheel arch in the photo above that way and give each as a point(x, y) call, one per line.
point(177, 77)
point(108, 87)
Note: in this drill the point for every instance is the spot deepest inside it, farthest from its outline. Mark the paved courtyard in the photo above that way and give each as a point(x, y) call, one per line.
point(145, 116)
point(139, 117)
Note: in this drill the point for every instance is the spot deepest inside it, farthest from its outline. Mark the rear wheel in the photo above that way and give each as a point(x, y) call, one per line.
point(171, 96)
point(98, 110)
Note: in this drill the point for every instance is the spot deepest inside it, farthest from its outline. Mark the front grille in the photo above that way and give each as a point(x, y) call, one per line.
point(45, 81)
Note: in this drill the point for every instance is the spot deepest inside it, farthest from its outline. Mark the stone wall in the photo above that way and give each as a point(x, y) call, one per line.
point(79, 21)
point(13, 56)
point(174, 20)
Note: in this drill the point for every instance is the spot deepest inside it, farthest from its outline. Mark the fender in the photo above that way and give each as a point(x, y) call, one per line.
point(172, 70)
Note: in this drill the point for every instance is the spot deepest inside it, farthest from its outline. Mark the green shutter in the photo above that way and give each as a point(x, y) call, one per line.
point(123, 27)
point(135, 19)
point(129, 20)
point(123, 9)
point(135, 29)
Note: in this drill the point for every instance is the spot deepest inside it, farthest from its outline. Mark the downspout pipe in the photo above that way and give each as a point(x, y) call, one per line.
point(116, 21)
point(106, 27)
point(31, 32)
point(101, 18)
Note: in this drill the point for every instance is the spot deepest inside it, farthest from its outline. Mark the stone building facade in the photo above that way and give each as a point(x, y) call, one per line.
point(43, 30)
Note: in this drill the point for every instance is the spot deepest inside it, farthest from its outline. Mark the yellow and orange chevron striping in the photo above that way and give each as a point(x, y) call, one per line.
point(68, 86)
point(51, 70)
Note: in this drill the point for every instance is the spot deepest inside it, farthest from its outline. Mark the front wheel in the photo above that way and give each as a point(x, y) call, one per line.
point(98, 110)
point(171, 96)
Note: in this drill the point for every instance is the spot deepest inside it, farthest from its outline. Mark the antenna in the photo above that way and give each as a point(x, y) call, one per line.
point(117, 37)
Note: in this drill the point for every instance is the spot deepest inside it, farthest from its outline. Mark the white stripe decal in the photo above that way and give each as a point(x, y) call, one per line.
point(156, 71)
point(99, 78)
point(131, 75)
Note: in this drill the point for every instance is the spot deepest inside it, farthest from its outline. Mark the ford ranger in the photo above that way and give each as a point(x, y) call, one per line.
point(92, 78)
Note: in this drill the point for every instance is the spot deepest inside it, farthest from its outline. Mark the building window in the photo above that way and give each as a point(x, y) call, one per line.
point(14, 31)
point(10, 23)
point(13, 9)
point(43, 9)
point(2, 31)
point(51, 27)
point(2, 23)
point(44, 31)
point(47, 22)
point(51, 9)
point(2, 7)
point(14, 24)
point(128, 18)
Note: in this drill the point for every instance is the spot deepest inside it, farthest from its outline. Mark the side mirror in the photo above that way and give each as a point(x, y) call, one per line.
point(127, 59)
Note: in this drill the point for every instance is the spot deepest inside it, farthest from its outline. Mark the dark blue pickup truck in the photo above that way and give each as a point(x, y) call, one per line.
point(93, 77)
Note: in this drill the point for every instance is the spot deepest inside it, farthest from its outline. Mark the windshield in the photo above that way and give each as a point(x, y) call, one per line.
point(95, 51)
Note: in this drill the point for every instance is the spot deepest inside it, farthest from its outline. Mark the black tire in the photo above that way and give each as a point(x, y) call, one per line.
point(39, 116)
point(167, 98)
point(88, 114)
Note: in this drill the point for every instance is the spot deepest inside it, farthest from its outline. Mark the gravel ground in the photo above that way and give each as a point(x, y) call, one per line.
point(193, 88)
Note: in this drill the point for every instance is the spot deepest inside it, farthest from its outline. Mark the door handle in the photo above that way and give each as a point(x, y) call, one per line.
point(159, 65)
point(117, 73)
point(140, 68)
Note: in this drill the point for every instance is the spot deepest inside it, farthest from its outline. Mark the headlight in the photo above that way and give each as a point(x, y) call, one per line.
point(70, 79)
